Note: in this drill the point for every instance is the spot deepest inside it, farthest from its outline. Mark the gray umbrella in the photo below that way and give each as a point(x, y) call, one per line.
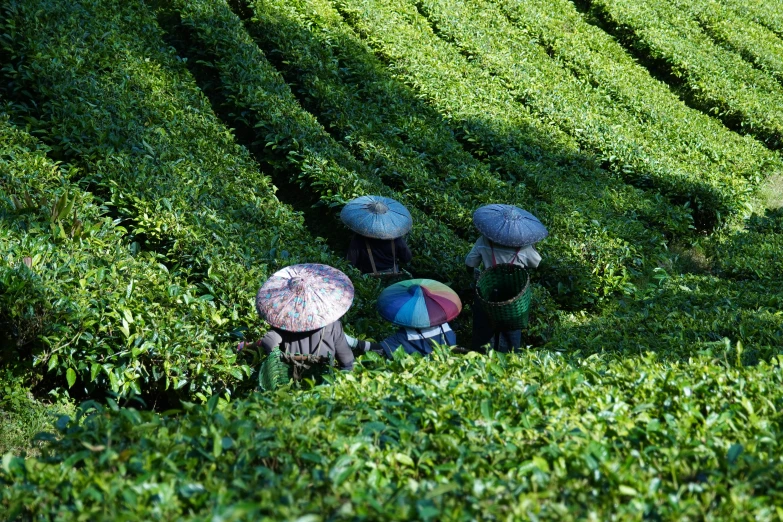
point(509, 225)
point(377, 217)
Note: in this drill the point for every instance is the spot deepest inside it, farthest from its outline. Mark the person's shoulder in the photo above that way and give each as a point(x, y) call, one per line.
point(334, 329)
point(336, 325)
point(478, 244)
point(272, 333)
point(271, 339)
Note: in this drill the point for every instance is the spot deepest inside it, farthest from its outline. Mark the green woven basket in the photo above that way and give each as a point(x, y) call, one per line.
point(279, 368)
point(504, 293)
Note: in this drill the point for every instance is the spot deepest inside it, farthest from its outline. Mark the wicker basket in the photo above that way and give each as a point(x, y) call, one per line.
point(503, 291)
point(279, 368)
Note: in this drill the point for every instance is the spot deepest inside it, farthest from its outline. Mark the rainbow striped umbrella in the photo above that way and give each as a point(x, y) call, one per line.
point(300, 298)
point(419, 303)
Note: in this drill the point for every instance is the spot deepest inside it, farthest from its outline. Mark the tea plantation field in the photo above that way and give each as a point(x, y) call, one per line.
point(160, 159)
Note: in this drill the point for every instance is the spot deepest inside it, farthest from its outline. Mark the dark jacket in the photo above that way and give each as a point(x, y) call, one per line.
point(416, 341)
point(329, 339)
point(381, 252)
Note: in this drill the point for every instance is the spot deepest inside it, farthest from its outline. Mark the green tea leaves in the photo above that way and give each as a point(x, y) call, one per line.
point(733, 454)
point(70, 376)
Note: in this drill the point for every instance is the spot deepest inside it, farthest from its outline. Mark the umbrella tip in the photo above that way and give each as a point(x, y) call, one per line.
point(296, 284)
point(511, 214)
point(378, 207)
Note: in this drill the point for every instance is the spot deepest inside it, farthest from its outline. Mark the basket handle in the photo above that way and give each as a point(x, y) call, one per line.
point(372, 260)
point(395, 270)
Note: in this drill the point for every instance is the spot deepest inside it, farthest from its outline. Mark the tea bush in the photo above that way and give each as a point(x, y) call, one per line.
point(754, 42)
point(529, 436)
point(79, 302)
point(638, 151)
point(596, 57)
point(763, 13)
point(194, 203)
point(716, 80)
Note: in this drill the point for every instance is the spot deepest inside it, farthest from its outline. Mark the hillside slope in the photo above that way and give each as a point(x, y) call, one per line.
point(159, 160)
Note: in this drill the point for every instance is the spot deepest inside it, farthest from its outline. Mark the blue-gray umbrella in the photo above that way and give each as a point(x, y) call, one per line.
point(509, 225)
point(377, 217)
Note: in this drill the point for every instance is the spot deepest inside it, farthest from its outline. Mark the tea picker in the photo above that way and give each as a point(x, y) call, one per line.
point(505, 249)
point(303, 305)
point(377, 246)
point(422, 309)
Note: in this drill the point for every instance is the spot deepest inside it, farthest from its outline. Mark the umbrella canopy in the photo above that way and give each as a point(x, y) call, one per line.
point(419, 303)
point(377, 216)
point(509, 225)
point(300, 298)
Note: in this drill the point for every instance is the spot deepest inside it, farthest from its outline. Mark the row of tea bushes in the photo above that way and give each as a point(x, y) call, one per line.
point(753, 253)
point(597, 58)
point(77, 299)
point(754, 42)
point(639, 152)
point(763, 12)
point(533, 435)
point(725, 289)
point(680, 314)
point(715, 80)
point(259, 97)
point(114, 100)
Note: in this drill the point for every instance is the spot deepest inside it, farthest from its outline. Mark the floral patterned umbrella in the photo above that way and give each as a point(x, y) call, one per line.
point(300, 298)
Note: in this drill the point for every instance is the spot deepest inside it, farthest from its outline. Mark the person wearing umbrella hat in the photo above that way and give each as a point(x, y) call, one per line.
point(422, 309)
point(303, 305)
point(379, 224)
point(508, 236)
